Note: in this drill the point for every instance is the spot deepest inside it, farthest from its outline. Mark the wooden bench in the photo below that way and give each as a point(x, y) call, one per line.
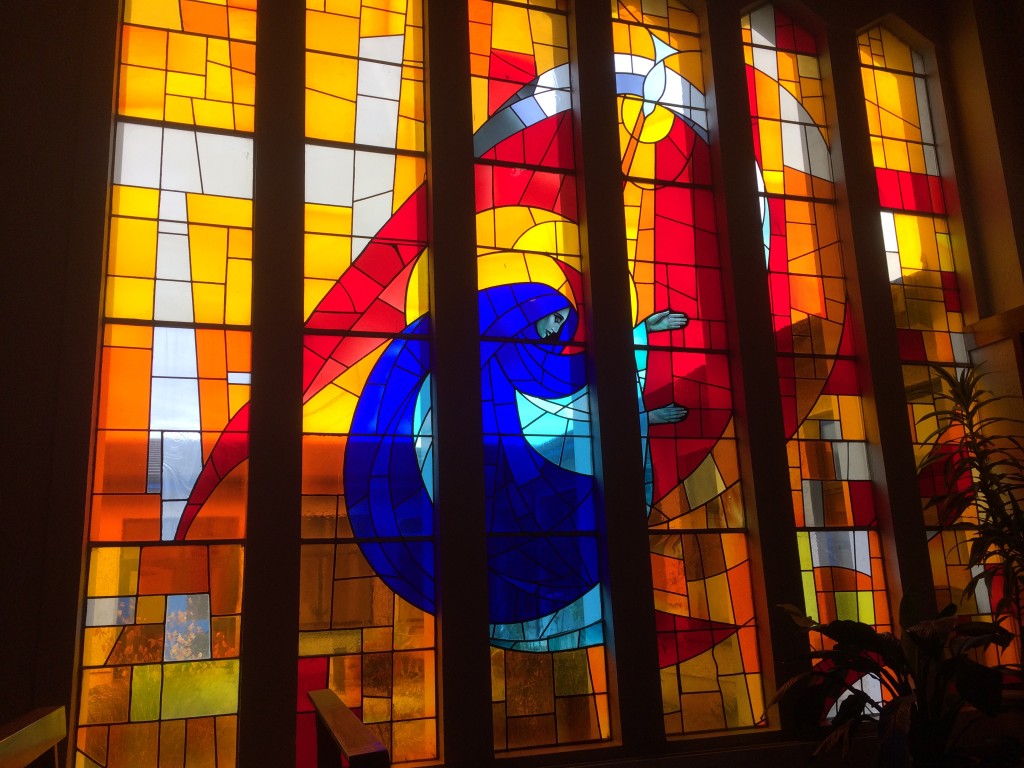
point(339, 733)
point(28, 737)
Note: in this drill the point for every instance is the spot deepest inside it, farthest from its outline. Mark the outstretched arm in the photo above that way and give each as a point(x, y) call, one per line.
point(667, 414)
point(666, 320)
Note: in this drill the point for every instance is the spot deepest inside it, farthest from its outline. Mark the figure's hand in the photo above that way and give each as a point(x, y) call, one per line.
point(667, 414)
point(666, 320)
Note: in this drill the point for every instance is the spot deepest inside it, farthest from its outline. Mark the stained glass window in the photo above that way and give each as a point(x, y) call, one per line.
point(189, 62)
point(837, 529)
point(924, 270)
point(548, 669)
point(160, 652)
point(367, 595)
point(707, 637)
point(160, 647)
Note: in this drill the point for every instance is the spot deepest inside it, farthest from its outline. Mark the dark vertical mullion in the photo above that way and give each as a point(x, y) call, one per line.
point(890, 449)
point(758, 402)
point(465, 677)
point(49, 431)
point(270, 614)
point(628, 589)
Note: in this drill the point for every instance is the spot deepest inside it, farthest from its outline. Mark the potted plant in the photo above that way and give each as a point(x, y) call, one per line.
point(981, 488)
point(932, 692)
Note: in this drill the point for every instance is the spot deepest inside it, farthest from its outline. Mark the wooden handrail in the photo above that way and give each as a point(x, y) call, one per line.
point(340, 733)
point(28, 737)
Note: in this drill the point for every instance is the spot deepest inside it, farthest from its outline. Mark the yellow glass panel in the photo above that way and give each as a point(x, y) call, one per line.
point(852, 418)
point(414, 685)
point(376, 710)
point(239, 289)
point(208, 248)
point(555, 237)
point(213, 113)
point(414, 740)
point(326, 256)
point(500, 269)
point(510, 29)
point(417, 295)
point(346, 7)
point(332, 33)
point(328, 117)
point(142, 202)
point(105, 693)
point(916, 238)
point(149, 609)
point(113, 571)
point(187, 54)
point(896, 156)
point(327, 219)
point(409, 175)
point(153, 13)
point(210, 209)
point(866, 606)
point(208, 303)
point(180, 84)
point(313, 293)
point(414, 40)
point(97, 642)
point(878, 152)
point(410, 134)
point(241, 24)
point(330, 642)
point(238, 394)
point(897, 53)
point(142, 92)
point(330, 410)
point(377, 639)
point(179, 109)
point(240, 244)
point(146, 692)
point(333, 75)
point(917, 161)
point(129, 297)
point(200, 688)
point(381, 23)
point(218, 82)
point(640, 43)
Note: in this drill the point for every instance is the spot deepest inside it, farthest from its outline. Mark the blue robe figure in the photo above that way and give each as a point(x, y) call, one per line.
point(542, 547)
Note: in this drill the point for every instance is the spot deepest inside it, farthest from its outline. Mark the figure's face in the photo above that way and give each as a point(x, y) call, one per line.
point(549, 325)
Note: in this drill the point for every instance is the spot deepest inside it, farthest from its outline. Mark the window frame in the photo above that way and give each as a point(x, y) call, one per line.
point(738, 206)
